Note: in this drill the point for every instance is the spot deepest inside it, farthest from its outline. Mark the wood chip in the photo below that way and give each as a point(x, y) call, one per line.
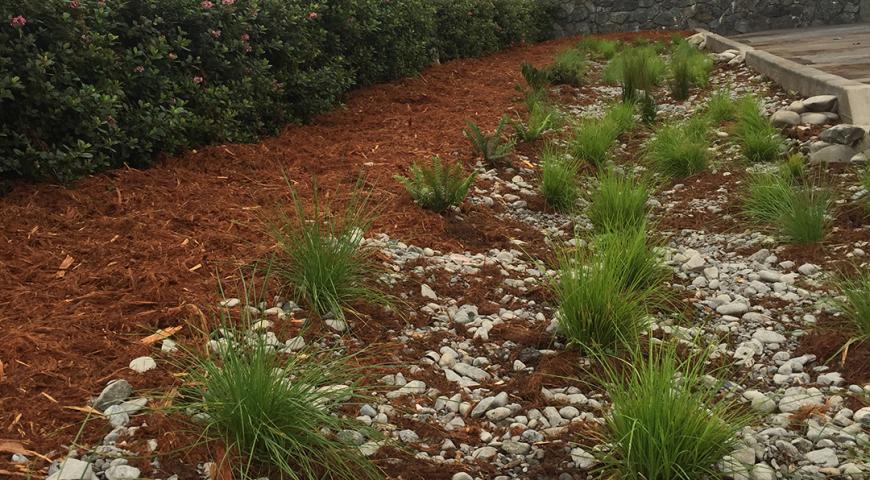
point(161, 334)
point(2, 371)
point(64, 266)
point(91, 410)
point(49, 397)
point(195, 267)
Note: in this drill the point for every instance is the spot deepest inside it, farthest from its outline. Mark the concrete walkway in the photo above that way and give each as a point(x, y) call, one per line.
point(831, 60)
point(842, 50)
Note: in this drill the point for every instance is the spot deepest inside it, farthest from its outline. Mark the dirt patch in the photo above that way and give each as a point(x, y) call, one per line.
point(830, 342)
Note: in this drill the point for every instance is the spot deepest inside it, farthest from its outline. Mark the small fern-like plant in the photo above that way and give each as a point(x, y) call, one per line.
point(543, 117)
point(493, 147)
point(439, 185)
point(536, 78)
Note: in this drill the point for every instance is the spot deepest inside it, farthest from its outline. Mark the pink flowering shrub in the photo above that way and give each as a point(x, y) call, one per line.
point(88, 84)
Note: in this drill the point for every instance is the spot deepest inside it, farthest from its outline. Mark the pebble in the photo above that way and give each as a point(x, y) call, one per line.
point(115, 392)
point(143, 364)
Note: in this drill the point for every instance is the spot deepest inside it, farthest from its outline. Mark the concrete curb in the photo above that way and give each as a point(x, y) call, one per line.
point(853, 97)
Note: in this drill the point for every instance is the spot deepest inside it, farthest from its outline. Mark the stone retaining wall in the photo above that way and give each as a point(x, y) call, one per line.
point(572, 17)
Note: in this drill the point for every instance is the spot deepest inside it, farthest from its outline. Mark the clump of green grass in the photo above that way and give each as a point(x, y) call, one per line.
point(636, 68)
point(618, 203)
point(558, 179)
point(678, 151)
point(631, 256)
point(621, 115)
point(536, 78)
point(720, 107)
point(688, 67)
point(543, 117)
point(321, 255)
point(667, 421)
point(592, 140)
point(278, 412)
point(798, 212)
point(437, 186)
point(599, 47)
point(569, 67)
point(758, 138)
point(856, 303)
point(493, 147)
point(595, 311)
point(794, 168)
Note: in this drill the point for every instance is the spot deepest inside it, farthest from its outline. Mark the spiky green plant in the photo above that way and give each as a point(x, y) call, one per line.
point(543, 117)
point(633, 259)
point(856, 303)
point(798, 212)
point(667, 420)
point(536, 78)
point(592, 140)
point(569, 67)
point(595, 311)
point(321, 256)
point(599, 47)
point(720, 107)
point(636, 68)
point(648, 107)
point(558, 179)
point(676, 151)
point(621, 114)
point(437, 186)
point(758, 138)
point(681, 80)
point(689, 67)
point(618, 203)
point(278, 413)
point(492, 147)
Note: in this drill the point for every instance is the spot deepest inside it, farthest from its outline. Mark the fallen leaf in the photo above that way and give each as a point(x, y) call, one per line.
point(161, 334)
point(64, 265)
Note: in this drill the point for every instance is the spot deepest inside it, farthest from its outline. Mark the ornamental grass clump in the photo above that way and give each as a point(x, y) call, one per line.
point(439, 185)
point(637, 68)
point(592, 140)
point(618, 203)
point(321, 256)
point(569, 67)
point(599, 47)
point(493, 147)
point(758, 138)
point(278, 412)
point(720, 107)
point(632, 257)
point(797, 211)
point(595, 311)
point(677, 150)
point(558, 179)
point(667, 420)
point(856, 302)
point(688, 67)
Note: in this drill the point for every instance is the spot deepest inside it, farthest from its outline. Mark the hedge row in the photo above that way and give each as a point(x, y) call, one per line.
point(90, 84)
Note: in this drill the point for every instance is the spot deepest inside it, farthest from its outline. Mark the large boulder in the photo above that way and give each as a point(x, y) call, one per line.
point(843, 134)
point(814, 118)
point(833, 154)
point(785, 118)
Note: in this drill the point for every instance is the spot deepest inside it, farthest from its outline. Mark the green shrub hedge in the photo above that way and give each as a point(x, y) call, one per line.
point(91, 84)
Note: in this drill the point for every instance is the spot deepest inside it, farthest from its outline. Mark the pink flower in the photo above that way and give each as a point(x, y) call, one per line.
point(198, 80)
point(245, 37)
point(18, 22)
point(313, 15)
point(215, 33)
point(74, 4)
point(172, 56)
point(206, 4)
point(139, 69)
point(228, 2)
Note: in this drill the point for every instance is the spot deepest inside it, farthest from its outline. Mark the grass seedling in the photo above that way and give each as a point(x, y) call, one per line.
point(677, 151)
point(278, 412)
point(758, 138)
point(558, 179)
point(618, 203)
point(667, 422)
point(492, 147)
point(595, 312)
point(720, 107)
point(569, 67)
point(856, 303)
point(321, 255)
point(437, 186)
